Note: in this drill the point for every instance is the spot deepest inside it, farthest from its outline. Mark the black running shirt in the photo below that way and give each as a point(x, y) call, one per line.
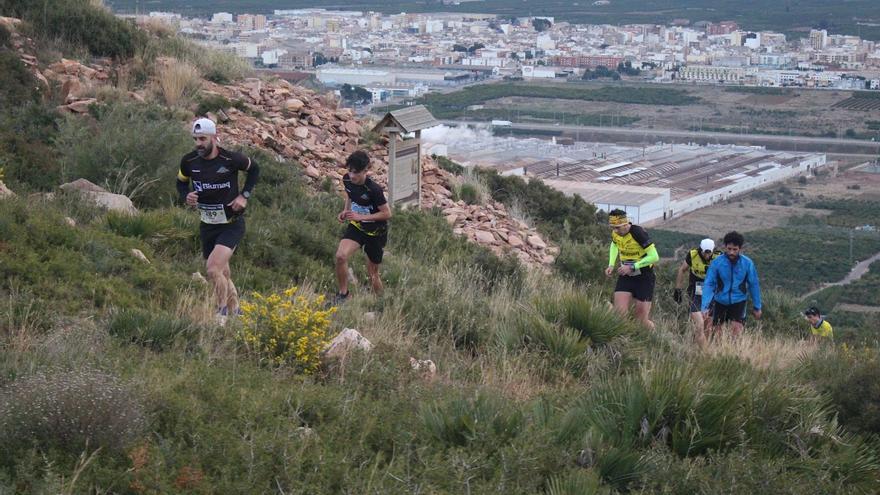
point(366, 200)
point(216, 181)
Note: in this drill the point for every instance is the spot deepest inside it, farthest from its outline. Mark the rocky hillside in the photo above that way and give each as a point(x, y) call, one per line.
point(311, 129)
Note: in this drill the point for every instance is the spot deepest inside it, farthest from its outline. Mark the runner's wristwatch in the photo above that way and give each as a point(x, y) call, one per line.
point(246, 194)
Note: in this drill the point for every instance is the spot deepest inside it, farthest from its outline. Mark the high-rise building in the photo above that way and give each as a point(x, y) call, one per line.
point(245, 22)
point(818, 39)
point(259, 21)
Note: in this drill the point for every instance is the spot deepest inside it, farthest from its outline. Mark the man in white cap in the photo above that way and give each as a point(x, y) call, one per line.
point(213, 174)
point(696, 263)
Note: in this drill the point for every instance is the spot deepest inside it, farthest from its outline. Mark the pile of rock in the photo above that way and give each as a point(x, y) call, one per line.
point(25, 48)
point(77, 81)
point(294, 122)
point(492, 226)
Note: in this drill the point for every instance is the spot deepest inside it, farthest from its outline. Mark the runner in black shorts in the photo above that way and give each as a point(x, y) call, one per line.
point(213, 173)
point(723, 313)
point(693, 268)
point(636, 272)
point(730, 281)
point(367, 214)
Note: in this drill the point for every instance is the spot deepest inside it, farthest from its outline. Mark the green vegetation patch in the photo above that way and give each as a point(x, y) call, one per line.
point(454, 105)
point(849, 212)
point(522, 114)
point(759, 90)
point(78, 23)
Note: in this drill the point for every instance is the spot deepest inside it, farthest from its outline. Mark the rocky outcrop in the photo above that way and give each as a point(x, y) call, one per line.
point(347, 341)
point(5, 192)
point(100, 196)
point(425, 367)
point(138, 254)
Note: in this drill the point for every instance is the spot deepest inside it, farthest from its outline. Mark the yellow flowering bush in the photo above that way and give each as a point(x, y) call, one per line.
point(286, 328)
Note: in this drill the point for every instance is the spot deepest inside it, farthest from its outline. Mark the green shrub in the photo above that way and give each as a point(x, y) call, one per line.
point(594, 321)
point(448, 165)
point(79, 23)
point(582, 261)
point(17, 85)
point(26, 131)
point(96, 268)
point(133, 150)
point(149, 328)
point(213, 65)
point(576, 483)
point(849, 377)
point(175, 229)
point(69, 410)
point(213, 103)
point(429, 236)
point(564, 346)
point(483, 421)
point(782, 314)
point(694, 409)
point(222, 67)
point(5, 37)
point(562, 217)
point(447, 303)
point(22, 313)
point(469, 194)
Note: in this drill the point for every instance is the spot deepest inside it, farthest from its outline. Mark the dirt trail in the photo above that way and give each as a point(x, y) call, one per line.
point(856, 273)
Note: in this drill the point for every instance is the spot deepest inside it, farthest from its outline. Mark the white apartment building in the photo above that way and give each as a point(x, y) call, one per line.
point(221, 18)
point(538, 72)
point(714, 74)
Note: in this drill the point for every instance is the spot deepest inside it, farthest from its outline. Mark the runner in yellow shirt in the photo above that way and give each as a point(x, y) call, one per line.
point(819, 327)
point(632, 245)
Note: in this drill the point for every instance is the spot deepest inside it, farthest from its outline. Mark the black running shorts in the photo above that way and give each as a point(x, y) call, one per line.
point(373, 245)
point(224, 234)
point(641, 286)
point(724, 313)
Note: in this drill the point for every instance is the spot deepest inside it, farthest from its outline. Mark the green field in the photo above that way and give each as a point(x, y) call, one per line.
point(808, 251)
point(456, 104)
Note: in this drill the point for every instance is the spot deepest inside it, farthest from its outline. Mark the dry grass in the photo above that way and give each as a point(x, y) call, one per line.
point(762, 352)
point(158, 27)
point(471, 188)
point(111, 94)
point(178, 81)
point(518, 378)
point(519, 212)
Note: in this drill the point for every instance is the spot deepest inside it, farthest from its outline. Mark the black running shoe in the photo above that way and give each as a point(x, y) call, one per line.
point(340, 298)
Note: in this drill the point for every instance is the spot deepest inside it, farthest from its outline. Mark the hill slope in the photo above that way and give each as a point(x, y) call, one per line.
point(114, 380)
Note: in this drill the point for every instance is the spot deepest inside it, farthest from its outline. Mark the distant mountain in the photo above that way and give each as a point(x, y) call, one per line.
point(859, 17)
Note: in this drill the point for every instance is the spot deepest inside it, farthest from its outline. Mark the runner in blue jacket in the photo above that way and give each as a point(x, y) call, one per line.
point(730, 281)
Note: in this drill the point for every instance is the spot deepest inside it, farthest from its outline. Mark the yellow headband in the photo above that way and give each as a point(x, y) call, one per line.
point(617, 220)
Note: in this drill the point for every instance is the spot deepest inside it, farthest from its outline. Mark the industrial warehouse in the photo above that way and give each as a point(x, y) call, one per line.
point(652, 183)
